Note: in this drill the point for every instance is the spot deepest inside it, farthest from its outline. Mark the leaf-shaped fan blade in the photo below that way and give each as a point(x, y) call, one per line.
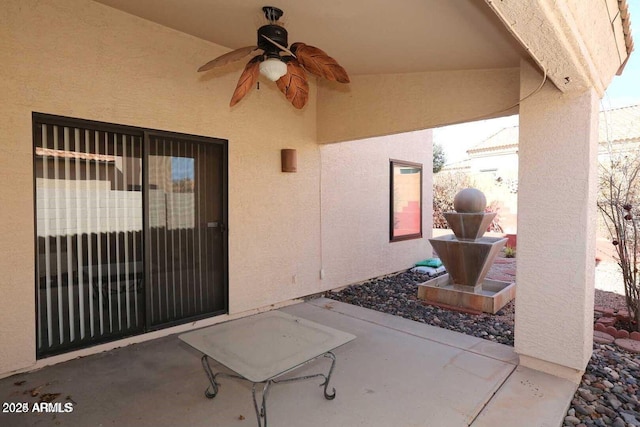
point(278, 45)
point(246, 81)
point(317, 62)
point(227, 58)
point(294, 84)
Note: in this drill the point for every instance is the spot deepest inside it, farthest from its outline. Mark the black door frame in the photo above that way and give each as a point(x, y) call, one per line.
point(147, 232)
point(145, 133)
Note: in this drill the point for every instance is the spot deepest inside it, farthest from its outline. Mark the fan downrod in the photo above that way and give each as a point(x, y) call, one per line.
point(273, 30)
point(272, 13)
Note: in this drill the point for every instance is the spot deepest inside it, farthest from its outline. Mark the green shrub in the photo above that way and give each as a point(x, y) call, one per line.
point(509, 252)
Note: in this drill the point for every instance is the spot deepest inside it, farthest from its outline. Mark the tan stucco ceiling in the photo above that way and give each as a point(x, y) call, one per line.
point(365, 36)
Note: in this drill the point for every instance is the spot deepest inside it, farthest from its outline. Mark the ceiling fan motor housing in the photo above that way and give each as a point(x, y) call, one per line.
point(276, 33)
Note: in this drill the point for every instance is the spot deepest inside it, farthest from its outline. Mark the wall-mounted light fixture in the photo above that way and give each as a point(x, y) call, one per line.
point(289, 158)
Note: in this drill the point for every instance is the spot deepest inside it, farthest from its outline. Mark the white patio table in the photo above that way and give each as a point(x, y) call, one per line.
point(262, 348)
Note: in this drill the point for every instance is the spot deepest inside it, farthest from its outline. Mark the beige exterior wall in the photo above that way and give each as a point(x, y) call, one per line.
point(374, 105)
point(82, 59)
point(358, 249)
point(579, 43)
point(556, 228)
point(604, 51)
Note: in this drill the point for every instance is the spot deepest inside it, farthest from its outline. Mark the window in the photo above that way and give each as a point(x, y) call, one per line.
point(406, 201)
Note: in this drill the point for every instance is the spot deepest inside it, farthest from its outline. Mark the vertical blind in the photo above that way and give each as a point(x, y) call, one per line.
point(89, 226)
point(129, 231)
point(185, 239)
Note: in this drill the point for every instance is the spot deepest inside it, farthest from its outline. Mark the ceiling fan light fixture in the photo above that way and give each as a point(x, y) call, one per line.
point(273, 68)
point(272, 58)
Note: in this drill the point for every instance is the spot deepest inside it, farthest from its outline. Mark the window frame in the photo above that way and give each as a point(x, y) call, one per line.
point(402, 163)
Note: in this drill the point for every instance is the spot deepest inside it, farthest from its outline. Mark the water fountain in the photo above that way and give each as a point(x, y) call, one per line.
point(467, 255)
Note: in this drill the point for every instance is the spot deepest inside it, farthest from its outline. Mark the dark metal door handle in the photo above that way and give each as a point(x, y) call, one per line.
point(216, 224)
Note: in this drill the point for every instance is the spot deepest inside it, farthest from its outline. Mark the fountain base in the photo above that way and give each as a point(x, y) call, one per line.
point(489, 297)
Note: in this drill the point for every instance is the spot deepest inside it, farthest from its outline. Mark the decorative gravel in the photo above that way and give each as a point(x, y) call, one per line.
point(608, 394)
point(397, 295)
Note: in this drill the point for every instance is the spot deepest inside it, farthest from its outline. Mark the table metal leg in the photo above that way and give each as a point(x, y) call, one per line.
point(261, 412)
point(327, 377)
point(213, 378)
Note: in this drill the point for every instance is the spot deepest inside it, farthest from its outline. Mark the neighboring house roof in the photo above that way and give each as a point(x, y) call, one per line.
point(461, 166)
point(619, 125)
point(501, 140)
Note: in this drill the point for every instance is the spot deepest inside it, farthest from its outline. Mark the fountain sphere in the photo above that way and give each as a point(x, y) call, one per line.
point(469, 200)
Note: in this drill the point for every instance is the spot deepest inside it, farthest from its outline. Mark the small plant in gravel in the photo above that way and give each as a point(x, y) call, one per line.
point(619, 204)
point(509, 252)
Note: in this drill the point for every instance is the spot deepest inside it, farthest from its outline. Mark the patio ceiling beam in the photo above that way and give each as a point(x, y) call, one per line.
point(385, 104)
point(579, 44)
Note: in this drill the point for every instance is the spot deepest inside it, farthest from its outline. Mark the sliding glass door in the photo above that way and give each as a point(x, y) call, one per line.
point(186, 229)
point(129, 231)
point(89, 235)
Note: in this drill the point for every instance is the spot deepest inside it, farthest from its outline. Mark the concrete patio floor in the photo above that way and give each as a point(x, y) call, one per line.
point(397, 372)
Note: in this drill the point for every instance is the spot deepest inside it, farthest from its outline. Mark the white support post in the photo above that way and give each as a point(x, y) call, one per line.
point(556, 227)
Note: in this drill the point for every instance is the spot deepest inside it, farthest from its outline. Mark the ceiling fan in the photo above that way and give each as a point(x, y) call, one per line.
point(283, 65)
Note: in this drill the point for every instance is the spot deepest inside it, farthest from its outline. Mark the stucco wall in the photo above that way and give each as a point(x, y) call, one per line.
point(580, 43)
point(603, 41)
point(412, 101)
point(355, 230)
point(82, 59)
point(556, 228)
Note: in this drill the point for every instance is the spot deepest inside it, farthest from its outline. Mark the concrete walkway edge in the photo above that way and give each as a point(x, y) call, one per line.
point(526, 398)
